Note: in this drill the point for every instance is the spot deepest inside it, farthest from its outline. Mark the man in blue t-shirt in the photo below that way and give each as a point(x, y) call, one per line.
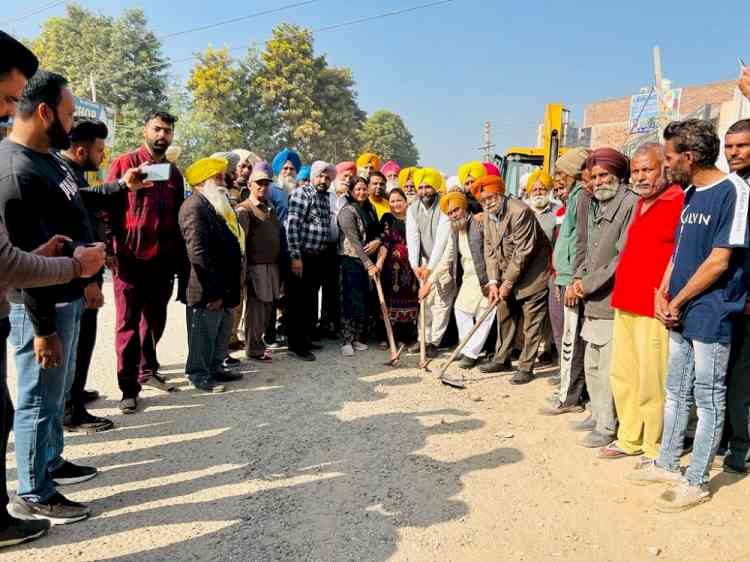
point(703, 291)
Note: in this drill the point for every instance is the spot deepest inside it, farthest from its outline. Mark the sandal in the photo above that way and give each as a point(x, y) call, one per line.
point(613, 451)
point(265, 358)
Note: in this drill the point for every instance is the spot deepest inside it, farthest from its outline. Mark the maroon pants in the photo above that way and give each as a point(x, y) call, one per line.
point(142, 293)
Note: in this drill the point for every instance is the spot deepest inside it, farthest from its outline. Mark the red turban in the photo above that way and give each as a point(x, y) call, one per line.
point(489, 184)
point(342, 167)
point(611, 160)
point(491, 169)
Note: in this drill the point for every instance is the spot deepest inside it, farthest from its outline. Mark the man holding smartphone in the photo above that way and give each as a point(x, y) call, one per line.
point(145, 252)
point(23, 269)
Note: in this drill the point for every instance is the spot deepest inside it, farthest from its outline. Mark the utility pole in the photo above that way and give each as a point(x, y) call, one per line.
point(92, 85)
point(487, 146)
point(659, 86)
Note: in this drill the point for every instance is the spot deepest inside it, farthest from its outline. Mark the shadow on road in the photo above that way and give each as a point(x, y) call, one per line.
point(288, 466)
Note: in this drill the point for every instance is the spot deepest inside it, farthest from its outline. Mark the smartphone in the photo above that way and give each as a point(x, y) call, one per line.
point(742, 63)
point(156, 172)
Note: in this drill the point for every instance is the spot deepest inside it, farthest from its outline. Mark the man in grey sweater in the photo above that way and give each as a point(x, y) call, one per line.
point(22, 269)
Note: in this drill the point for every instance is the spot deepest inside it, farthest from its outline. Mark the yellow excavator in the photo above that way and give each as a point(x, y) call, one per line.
point(520, 160)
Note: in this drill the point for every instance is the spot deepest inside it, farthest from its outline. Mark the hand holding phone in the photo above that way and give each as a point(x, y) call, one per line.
point(156, 172)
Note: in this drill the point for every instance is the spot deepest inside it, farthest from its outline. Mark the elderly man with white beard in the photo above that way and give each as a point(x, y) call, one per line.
point(610, 210)
point(464, 253)
point(214, 242)
point(539, 189)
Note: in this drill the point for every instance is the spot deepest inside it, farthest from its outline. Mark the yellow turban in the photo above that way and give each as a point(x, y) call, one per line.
point(200, 170)
point(405, 175)
point(429, 176)
point(369, 158)
point(453, 197)
point(544, 178)
point(474, 169)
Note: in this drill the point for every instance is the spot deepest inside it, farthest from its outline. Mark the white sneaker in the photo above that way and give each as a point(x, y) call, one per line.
point(347, 350)
point(682, 497)
point(359, 346)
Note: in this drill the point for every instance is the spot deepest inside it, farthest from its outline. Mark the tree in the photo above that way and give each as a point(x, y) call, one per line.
point(311, 106)
point(121, 55)
point(385, 134)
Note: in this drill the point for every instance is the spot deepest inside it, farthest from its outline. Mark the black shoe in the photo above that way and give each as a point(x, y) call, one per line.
point(493, 367)
point(315, 347)
point(17, 531)
point(58, 510)
point(226, 376)
point(302, 355)
point(522, 377)
point(87, 423)
point(209, 385)
point(432, 351)
point(230, 361)
point(89, 396)
point(466, 362)
point(70, 473)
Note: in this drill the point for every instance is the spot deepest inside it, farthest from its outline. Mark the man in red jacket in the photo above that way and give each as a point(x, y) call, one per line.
point(146, 251)
point(640, 341)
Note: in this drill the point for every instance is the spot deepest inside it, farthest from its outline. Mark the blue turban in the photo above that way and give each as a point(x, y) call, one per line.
point(304, 173)
point(281, 158)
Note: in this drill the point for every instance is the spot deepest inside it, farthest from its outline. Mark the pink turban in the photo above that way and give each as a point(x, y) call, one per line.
point(491, 169)
point(342, 167)
point(390, 167)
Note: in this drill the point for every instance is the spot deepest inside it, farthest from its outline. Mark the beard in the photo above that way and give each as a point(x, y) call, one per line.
point(539, 202)
point(429, 200)
point(460, 225)
point(606, 192)
point(57, 135)
point(391, 185)
point(158, 147)
point(287, 183)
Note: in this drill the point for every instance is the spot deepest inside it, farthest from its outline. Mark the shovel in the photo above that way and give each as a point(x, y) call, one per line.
point(395, 353)
point(456, 382)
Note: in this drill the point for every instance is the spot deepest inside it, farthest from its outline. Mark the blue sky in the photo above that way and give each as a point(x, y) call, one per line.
point(448, 69)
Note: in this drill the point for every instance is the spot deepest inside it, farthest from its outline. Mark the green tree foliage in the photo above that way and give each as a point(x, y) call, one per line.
point(281, 95)
point(385, 134)
point(121, 54)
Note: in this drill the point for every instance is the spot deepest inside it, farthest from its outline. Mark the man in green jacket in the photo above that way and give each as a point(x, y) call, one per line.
point(568, 179)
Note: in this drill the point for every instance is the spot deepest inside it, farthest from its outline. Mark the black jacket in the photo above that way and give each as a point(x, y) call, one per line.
point(214, 254)
point(39, 198)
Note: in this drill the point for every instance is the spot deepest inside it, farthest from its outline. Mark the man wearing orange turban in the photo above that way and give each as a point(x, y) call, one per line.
point(368, 163)
point(517, 254)
point(427, 232)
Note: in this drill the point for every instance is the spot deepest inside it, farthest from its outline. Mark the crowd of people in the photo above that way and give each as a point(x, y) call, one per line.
point(631, 273)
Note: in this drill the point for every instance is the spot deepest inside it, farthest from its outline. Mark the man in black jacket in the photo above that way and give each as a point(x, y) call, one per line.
point(213, 239)
point(22, 269)
point(85, 154)
point(38, 199)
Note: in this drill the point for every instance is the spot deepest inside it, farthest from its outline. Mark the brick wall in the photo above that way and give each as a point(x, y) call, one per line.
point(608, 119)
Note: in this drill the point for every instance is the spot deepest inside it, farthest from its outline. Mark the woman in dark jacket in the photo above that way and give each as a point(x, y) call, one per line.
point(359, 239)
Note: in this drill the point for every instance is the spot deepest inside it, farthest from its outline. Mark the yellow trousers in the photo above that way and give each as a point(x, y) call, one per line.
point(638, 376)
